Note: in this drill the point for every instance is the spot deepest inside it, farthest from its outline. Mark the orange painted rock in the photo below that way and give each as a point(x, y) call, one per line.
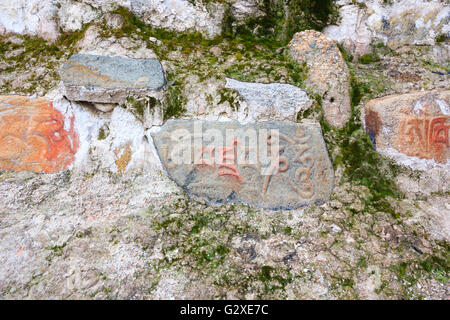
point(33, 137)
point(411, 127)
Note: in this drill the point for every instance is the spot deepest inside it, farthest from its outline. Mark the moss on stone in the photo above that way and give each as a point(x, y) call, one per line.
point(37, 53)
point(369, 58)
point(175, 103)
point(101, 134)
point(441, 38)
point(137, 106)
point(281, 19)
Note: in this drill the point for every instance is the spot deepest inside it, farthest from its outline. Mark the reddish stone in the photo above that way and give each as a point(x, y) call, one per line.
point(32, 136)
point(415, 124)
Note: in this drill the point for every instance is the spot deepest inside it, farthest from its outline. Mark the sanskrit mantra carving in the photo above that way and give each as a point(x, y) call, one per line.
point(230, 160)
point(425, 137)
point(32, 136)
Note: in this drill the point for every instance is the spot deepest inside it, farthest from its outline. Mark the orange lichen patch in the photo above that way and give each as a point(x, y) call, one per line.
point(77, 72)
point(425, 138)
point(123, 157)
point(32, 136)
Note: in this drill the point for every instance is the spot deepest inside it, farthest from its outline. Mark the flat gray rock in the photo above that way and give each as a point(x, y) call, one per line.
point(272, 101)
point(273, 165)
point(104, 79)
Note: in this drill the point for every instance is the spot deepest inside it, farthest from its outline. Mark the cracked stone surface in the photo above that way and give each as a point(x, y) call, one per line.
point(105, 79)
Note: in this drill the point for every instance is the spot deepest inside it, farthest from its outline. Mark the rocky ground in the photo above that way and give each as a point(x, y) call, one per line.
point(115, 226)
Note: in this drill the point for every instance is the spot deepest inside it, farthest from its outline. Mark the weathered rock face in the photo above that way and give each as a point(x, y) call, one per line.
point(271, 102)
point(352, 31)
point(411, 128)
point(34, 136)
point(104, 79)
point(328, 74)
point(29, 17)
point(403, 22)
point(409, 22)
point(45, 18)
point(94, 44)
point(267, 164)
point(108, 142)
point(244, 9)
point(180, 15)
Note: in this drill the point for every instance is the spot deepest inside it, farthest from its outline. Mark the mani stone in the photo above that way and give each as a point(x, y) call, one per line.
point(105, 79)
point(273, 101)
point(328, 74)
point(34, 136)
point(273, 165)
point(411, 128)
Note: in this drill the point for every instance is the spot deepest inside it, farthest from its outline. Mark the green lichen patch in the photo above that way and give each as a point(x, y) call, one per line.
point(441, 38)
point(33, 66)
point(281, 19)
point(174, 103)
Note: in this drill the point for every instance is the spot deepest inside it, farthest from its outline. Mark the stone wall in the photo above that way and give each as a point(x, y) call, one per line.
point(158, 163)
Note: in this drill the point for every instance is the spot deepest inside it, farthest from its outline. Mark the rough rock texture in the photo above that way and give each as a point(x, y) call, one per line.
point(199, 104)
point(398, 23)
point(94, 44)
point(45, 17)
point(114, 20)
point(271, 102)
point(113, 142)
point(352, 31)
point(411, 128)
point(29, 17)
point(180, 15)
point(268, 164)
point(105, 79)
point(244, 9)
point(113, 225)
point(34, 137)
point(328, 74)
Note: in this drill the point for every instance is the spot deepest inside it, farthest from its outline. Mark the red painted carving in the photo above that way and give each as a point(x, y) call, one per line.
point(32, 136)
point(425, 138)
point(229, 154)
point(201, 161)
point(227, 164)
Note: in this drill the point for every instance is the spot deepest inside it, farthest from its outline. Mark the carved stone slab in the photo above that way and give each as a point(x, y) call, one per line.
point(274, 165)
point(33, 136)
point(104, 79)
point(412, 128)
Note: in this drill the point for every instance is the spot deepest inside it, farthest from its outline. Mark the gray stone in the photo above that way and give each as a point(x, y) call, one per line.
point(274, 101)
point(105, 79)
point(275, 165)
